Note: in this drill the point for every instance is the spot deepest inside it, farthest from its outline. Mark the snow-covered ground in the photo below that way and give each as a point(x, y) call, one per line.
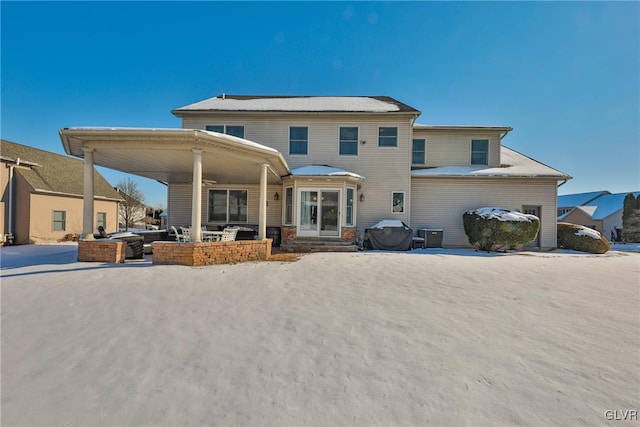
point(430, 337)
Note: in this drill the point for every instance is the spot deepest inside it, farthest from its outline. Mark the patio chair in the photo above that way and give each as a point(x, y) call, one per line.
point(229, 234)
point(180, 237)
point(186, 233)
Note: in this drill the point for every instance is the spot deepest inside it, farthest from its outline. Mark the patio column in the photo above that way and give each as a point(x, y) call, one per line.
point(87, 197)
point(262, 221)
point(196, 205)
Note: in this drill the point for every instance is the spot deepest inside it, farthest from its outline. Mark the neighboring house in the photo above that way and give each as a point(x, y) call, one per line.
point(325, 167)
point(604, 213)
point(568, 202)
point(42, 195)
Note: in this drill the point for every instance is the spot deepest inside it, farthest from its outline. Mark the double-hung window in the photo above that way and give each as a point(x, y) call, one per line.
point(397, 202)
point(298, 140)
point(479, 151)
point(387, 137)
point(227, 206)
point(348, 141)
point(234, 130)
point(59, 221)
point(101, 219)
point(418, 152)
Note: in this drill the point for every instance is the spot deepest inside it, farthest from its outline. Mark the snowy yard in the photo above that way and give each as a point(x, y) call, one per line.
point(432, 337)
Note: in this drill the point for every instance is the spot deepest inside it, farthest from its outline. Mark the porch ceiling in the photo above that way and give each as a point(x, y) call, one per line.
point(166, 154)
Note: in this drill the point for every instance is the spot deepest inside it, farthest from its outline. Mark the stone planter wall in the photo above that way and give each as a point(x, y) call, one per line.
point(210, 253)
point(103, 250)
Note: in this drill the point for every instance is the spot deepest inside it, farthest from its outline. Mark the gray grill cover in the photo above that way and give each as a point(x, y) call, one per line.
point(389, 238)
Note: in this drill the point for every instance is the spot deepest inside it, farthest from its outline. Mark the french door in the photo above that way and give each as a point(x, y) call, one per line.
point(319, 213)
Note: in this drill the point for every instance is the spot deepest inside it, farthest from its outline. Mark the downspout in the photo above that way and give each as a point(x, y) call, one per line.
point(505, 134)
point(9, 234)
point(564, 181)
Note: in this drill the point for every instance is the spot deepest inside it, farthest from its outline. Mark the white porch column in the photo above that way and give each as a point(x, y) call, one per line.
point(196, 205)
point(262, 220)
point(87, 197)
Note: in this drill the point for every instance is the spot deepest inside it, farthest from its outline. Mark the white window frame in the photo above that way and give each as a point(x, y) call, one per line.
point(224, 127)
point(357, 141)
point(297, 140)
point(353, 206)
point(424, 151)
point(388, 146)
point(54, 221)
point(293, 206)
point(471, 152)
point(227, 220)
point(404, 201)
point(98, 224)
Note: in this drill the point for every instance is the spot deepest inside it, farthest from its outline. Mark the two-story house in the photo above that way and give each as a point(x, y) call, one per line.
point(324, 167)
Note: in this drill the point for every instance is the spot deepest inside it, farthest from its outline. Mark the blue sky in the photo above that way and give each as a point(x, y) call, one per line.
point(564, 75)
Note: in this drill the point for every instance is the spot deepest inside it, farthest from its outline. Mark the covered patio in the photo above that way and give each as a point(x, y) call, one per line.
point(177, 156)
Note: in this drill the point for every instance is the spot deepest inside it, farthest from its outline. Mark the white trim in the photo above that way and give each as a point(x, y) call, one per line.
point(425, 151)
point(284, 207)
point(317, 232)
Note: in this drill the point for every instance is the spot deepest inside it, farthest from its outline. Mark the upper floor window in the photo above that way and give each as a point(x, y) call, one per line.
point(234, 130)
point(228, 206)
point(298, 140)
point(348, 141)
point(387, 137)
point(59, 221)
point(101, 219)
point(479, 152)
point(418, 153)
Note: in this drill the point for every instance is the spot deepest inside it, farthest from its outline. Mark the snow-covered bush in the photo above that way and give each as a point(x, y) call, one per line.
point(496, 228)
point(581, 238)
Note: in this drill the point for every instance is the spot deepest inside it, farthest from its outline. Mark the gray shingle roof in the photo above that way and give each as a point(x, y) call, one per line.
point(299, 104)
point(55, 172)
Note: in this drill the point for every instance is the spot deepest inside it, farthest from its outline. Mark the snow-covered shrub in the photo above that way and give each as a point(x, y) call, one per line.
point(581, 238)
point(496, 228)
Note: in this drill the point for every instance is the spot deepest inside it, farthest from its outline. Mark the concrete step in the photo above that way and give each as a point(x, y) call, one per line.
point(317, 245)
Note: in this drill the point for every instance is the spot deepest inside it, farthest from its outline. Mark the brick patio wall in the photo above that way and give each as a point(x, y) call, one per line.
point(103, 250)
point(348, 234)
point(289, 233)
point(209, 253)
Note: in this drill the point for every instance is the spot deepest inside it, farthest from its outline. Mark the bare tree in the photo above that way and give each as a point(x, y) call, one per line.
point(132, 209)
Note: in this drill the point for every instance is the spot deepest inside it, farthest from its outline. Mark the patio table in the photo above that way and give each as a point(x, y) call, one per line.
point(214, 236)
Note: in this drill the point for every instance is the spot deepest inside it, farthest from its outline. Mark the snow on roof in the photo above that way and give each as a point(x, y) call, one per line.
point(418, 126)
point(514, 165)
point(606, 205)
point(323, 170)
point(502, 214)
point(367, 104)
point(573, 200)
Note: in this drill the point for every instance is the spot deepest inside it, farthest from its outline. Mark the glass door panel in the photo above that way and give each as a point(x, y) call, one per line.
point(329, 213)
point(308, 213)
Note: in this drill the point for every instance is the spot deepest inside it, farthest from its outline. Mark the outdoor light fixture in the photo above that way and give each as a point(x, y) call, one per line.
point(276, 196)
point(362, 197)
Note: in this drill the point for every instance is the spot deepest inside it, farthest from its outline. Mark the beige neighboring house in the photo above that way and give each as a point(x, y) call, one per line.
point(324, 168)
point(42, 196)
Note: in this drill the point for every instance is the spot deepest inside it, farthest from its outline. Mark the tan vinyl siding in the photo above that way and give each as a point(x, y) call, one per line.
point(440, 203)
point(385, 169)
point(180, 196)
point(453, 148)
